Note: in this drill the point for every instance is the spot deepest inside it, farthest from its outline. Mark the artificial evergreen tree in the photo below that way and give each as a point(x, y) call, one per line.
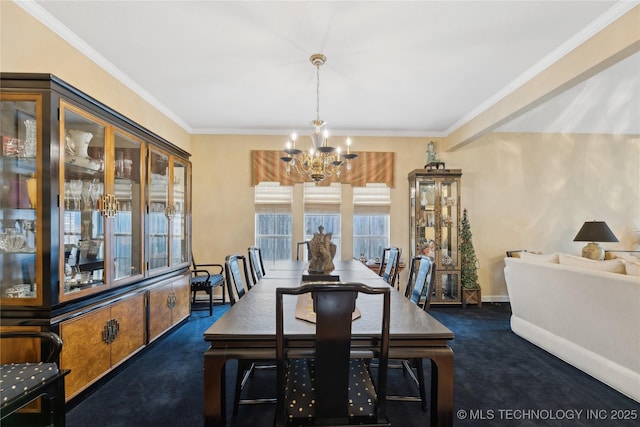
point(468, 261)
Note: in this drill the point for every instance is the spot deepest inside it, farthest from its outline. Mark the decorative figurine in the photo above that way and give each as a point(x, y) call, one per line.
point(322, 253)
point(432, 156)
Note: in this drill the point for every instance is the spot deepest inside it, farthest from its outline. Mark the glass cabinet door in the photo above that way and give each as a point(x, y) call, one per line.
point(128, 222)
point(159, 210)
point(82, 149)
point(426, 230)
point(20, 215)
point(179, 208)
point(449, 218)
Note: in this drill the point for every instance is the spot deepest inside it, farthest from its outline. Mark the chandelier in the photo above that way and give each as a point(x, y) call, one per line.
point(321, 161)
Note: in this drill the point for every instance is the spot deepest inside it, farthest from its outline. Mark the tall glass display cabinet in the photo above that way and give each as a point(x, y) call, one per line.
point(84, 251)
point(434, 227)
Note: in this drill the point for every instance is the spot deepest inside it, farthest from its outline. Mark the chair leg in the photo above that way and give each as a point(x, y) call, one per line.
point(421, 386)
point(58, 405)
point(224, 293)
point(210, 301)
point(238, 389)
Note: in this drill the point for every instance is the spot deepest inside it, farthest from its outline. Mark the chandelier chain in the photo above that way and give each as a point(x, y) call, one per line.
point(318, 93)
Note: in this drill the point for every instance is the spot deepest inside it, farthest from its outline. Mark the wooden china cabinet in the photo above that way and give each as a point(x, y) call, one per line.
point(434, 228)
point(95, 215)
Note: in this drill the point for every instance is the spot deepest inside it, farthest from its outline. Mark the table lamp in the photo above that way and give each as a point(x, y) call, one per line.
point(593, 232)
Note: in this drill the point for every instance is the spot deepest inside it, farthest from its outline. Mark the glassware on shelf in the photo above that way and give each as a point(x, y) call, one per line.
point(29, 145)
point(10, 146)
point(22, 290)
point(75, 191)
point(77, 148)
point(12, 241)
point(96, 191)
point(85, 196)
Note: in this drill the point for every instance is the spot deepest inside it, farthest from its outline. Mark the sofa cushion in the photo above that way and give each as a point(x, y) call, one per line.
point(612, 266)
point(632, 267)
point(635, 256)
point(539, 258)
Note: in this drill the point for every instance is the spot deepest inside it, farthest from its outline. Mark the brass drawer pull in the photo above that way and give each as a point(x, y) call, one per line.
point(171, 299)
point(110, 331)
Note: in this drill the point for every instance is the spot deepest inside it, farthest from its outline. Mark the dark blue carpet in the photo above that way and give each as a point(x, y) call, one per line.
point(500, 380)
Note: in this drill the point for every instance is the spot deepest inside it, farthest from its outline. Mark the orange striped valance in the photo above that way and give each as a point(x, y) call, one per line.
point(367, 167)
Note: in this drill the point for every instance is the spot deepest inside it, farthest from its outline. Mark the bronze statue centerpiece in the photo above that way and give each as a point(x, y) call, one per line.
point(322, 253)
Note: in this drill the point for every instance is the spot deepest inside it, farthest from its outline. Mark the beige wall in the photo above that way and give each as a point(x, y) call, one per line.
point(530, 191)
point(534, 191)
point(27, 46)
point(522, 191)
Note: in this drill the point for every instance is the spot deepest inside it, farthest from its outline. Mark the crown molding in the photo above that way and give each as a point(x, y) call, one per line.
point(35, 10)
point(604, 20)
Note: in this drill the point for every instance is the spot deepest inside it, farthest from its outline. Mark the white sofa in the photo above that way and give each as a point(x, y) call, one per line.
point(588, 318)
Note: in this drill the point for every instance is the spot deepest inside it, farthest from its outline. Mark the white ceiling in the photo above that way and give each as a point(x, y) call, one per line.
point(418, 68)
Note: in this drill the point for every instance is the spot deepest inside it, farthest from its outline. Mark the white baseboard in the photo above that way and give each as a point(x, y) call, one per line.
point(495, 298)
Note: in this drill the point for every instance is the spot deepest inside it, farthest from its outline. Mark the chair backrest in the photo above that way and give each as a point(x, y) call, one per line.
point(303, 244)
point(420, 282)
point(255, 263)
point(193, 262)
point(389, 264)
point(237, 285)
point(333, 304)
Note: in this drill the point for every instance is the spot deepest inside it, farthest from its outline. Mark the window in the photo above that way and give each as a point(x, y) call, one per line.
point(273, 220)
point(370, 220)
point(322, 208)
point(370, 235)
point(330, 223)
point(273, 235)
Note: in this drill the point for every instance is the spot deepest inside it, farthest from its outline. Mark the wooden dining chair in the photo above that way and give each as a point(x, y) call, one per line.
point(26, 380)
point(420, 281)
point(330, 383)
point(418, 290)
point(303, 245)
point(205, 278)
point(239, 284)
point(256, 266)
point(390, 264)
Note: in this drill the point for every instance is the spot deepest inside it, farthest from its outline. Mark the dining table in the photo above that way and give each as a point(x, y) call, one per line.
point(247, 331)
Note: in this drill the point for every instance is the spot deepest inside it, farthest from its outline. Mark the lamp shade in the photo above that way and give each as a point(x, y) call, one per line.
point(595, 231)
